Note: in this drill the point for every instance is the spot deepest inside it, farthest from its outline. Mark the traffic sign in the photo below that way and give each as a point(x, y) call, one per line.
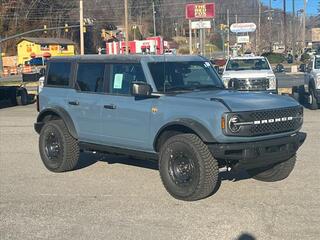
point(243, 39)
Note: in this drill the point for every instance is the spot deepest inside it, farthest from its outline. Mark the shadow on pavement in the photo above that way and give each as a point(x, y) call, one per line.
point(246, 236)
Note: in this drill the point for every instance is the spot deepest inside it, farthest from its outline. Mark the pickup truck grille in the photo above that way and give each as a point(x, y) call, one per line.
point(257, 84)
point(278, 121)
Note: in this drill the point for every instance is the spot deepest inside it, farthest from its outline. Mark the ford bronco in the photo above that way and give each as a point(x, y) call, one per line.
point(174, 109)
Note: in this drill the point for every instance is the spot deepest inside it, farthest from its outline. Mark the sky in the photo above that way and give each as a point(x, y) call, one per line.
point(312, 5)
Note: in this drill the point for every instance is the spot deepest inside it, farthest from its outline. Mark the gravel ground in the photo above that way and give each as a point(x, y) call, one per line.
point(112, 197)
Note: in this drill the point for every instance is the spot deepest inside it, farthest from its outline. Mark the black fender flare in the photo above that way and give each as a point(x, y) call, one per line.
point(63, 114)
point(195, 126)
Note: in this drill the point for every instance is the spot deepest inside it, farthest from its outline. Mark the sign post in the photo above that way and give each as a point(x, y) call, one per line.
point(199, 11)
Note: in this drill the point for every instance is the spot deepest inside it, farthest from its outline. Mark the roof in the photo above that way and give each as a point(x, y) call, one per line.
point(132, 58)
point(48, 40)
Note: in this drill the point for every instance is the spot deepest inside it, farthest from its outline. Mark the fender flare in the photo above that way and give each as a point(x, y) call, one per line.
point(63, 114)
point(195, 126)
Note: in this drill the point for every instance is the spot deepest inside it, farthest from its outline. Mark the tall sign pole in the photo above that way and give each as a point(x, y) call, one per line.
point(190, 37)
point(228, 36)
point(126, 24)
point(304, 24)
point(81, 29)
point(285, 25)
point(293, 29)
point(154, 19)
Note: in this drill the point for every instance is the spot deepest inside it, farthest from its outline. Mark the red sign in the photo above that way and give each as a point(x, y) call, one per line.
point(196, 11)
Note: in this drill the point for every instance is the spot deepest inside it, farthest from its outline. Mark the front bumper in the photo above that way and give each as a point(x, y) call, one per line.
point(258, 154)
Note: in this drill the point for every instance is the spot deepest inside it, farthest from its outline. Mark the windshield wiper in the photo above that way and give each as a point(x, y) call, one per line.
point(209, 87)
point(178, 88)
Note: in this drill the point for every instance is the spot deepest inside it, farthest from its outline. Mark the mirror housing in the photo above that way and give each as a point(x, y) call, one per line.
point(42, 72)
point(220, 71)
point(141, 89)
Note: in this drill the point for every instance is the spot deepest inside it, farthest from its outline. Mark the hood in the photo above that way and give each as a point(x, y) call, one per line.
point(238, 101)
point(248, 74)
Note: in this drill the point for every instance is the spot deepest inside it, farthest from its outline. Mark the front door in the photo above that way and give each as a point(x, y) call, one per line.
point(125, 119)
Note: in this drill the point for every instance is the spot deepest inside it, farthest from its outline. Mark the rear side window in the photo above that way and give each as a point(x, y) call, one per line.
point(59, 73)
point(90, 77)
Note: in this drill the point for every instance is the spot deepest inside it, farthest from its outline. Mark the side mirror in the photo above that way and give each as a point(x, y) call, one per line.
point(42, 72)
point(220, 71)
point(141, 89)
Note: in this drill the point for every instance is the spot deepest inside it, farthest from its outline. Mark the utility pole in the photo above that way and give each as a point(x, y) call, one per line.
point(293, 30)
point(259, 29)
point(285, 26)
point(126, 24)
point(228, 36)
point(270, 25)
point(81, 29)
point(154, 19)
point(304, 24)
point(1, 67)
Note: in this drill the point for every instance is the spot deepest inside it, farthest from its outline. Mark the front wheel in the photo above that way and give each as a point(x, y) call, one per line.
point(58, 149)
point(312, 100)
point(187, 168)
point(275, 173)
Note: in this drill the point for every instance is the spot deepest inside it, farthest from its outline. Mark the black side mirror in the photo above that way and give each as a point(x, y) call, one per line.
point(220, 71)
point(141, 89)
point(42, 72)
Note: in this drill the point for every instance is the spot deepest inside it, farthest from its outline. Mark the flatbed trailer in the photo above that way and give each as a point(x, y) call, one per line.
point(18, 92)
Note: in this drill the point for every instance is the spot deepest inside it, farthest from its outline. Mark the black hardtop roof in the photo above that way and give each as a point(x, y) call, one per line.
point(130, 58)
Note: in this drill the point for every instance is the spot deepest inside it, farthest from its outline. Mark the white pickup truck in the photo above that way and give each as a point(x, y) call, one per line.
point(312, 83)
point(249, 73)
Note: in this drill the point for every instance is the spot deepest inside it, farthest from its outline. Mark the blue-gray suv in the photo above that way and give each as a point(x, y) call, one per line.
point(174, 109)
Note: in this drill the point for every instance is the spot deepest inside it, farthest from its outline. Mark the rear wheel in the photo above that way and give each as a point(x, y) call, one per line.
point(22, 97)
point(187, 168)
point(275, 173)
point(58, 149)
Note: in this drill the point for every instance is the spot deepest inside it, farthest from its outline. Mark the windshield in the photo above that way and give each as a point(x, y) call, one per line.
point(184, 76)
point(317, 63)
point(247, 64)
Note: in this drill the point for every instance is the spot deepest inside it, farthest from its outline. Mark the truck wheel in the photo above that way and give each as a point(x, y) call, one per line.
point(187, 168)
point(276, 173)
point(312, 101)
point(22, 97)
point(59, 151)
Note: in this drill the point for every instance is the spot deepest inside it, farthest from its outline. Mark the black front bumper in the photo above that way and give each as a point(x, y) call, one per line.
point(258, 154)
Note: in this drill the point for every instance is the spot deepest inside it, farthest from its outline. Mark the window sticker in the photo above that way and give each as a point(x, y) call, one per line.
point(207, 64)
point(117, 83)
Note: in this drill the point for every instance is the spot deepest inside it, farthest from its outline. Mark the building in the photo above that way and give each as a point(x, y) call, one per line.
point(313, 37)
point(29, 47)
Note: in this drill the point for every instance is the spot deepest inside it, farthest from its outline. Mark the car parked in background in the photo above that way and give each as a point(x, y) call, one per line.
point(312, 82)
point(250, 73)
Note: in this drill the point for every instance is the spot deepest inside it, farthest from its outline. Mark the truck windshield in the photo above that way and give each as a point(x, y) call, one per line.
point(247, 64)
point(317, 63)
point(184, 76)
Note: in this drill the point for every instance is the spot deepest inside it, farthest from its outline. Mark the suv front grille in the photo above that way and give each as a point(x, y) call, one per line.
point(265, 122)
point(258, 84)
point(275, 121)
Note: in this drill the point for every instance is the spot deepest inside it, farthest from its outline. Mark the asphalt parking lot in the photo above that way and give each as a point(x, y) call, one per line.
point(112, 197)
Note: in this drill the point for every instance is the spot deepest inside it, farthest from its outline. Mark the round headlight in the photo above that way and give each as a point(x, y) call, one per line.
point(233, 124)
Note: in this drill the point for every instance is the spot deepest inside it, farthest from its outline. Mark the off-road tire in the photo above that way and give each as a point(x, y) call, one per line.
point(205, 169)
point(69, 149)
point(276, 173)
point(313, 105)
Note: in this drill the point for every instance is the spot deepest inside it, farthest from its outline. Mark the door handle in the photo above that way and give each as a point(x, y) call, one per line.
point(74, 103)
point(110, 106)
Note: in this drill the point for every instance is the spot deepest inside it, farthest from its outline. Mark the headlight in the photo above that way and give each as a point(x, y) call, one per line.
point(233, 124)
point(318, 82)
point(272, 83)
point(226, 81)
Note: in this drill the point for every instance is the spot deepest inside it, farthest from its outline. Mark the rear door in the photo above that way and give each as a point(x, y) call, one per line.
point(85, 100)
point(125, 119)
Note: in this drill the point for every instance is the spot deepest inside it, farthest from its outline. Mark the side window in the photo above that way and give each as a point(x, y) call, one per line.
point(90, 77)
point(122, 76)
point(59, 73)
